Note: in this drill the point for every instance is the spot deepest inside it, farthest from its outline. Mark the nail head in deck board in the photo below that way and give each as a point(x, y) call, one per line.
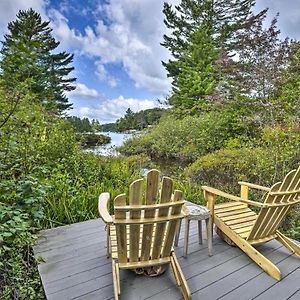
point(71, 257)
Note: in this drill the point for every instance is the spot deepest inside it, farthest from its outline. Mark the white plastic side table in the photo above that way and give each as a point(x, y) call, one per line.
point(198, 213)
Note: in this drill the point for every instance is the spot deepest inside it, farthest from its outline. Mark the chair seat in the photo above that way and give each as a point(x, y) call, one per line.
point(237, 216)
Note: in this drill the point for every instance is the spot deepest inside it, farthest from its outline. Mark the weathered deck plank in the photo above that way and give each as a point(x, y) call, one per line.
point(76, 267)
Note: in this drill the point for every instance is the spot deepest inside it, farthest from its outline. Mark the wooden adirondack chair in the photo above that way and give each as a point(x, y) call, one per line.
point(246, 228)
point(142, 233)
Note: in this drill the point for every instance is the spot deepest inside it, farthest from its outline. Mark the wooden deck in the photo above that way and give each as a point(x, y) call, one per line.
point(76, 267)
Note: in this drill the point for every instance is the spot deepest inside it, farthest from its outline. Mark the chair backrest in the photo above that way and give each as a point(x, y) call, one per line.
point(145, 229)
point(279, 200)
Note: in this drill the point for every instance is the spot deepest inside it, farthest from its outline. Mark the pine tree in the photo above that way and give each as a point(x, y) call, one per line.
point(197, 78)
point(29, 64)
point(221, 17)
point(203, 34)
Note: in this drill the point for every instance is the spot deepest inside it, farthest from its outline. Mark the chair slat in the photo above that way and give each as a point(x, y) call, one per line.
point(263, 214)
point(252, 218)
point(242, 225)
point(166, 195)
point(233, 212)
point(150, 198)
point(172, 225)
point(135, 198)
point(230, 208)
point(243, 229)
point(226, 204)
point(268, 217)
point(287, 185)
point(240, 216)
point(289, 198)
point(121, 229)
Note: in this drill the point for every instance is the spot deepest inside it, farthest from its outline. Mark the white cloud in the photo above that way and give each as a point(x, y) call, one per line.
point(111, 110)
point(103, 75)
point(68, 37)
point(9, 9)
point(131, 37)
point(83, 91)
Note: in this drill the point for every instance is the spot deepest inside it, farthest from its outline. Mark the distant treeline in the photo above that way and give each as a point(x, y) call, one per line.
point(109, 127)
point(139, 120)
point(84, 125)
point(135, 121)
point(130, 121)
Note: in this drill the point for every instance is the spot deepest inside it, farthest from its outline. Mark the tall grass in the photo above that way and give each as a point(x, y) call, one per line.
point(75, 187)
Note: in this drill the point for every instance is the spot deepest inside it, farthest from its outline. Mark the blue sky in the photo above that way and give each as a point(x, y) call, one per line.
point(117, 48)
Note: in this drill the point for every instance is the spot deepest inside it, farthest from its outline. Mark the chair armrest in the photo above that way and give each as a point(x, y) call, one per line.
point(103, 204)
point(254, 186)
point(232, 197)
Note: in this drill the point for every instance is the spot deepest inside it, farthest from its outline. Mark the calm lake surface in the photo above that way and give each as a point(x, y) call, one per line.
point(117, 139)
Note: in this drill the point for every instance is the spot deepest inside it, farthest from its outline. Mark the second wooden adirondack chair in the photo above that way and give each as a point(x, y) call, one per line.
point(246, 228)
point(141, 234)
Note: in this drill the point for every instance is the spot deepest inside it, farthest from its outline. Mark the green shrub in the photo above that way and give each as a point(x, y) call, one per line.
point(224, 168)
point(188, 138)
point(21, 212)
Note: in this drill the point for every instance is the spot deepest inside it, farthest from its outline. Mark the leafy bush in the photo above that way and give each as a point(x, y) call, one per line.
point(188, 138)
point(21, 212)
point(224, 168)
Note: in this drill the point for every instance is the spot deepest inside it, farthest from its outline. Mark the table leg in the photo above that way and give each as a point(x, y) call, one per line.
point(200, 231)
point(209, 230)
point(186, 237)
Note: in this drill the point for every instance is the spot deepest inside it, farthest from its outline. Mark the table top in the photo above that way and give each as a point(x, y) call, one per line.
point(197, 212)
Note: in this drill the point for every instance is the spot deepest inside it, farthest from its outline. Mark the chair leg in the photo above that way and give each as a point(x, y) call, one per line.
point(177, 233)
point(180, 277)
point(200, 231)
point(288, 243)
point(116, 280)
point(108, 245)
point(261, 260)
point(209, 231)
point(175, 271)
point(186, 237)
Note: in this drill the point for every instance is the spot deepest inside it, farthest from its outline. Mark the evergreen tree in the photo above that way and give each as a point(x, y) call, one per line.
point(80, 125)
point(197, 77)
point(203, 34)
point(222, 18)
point(28, 63)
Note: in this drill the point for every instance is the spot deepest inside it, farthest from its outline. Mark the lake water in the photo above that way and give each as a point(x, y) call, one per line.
point(117, 139)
